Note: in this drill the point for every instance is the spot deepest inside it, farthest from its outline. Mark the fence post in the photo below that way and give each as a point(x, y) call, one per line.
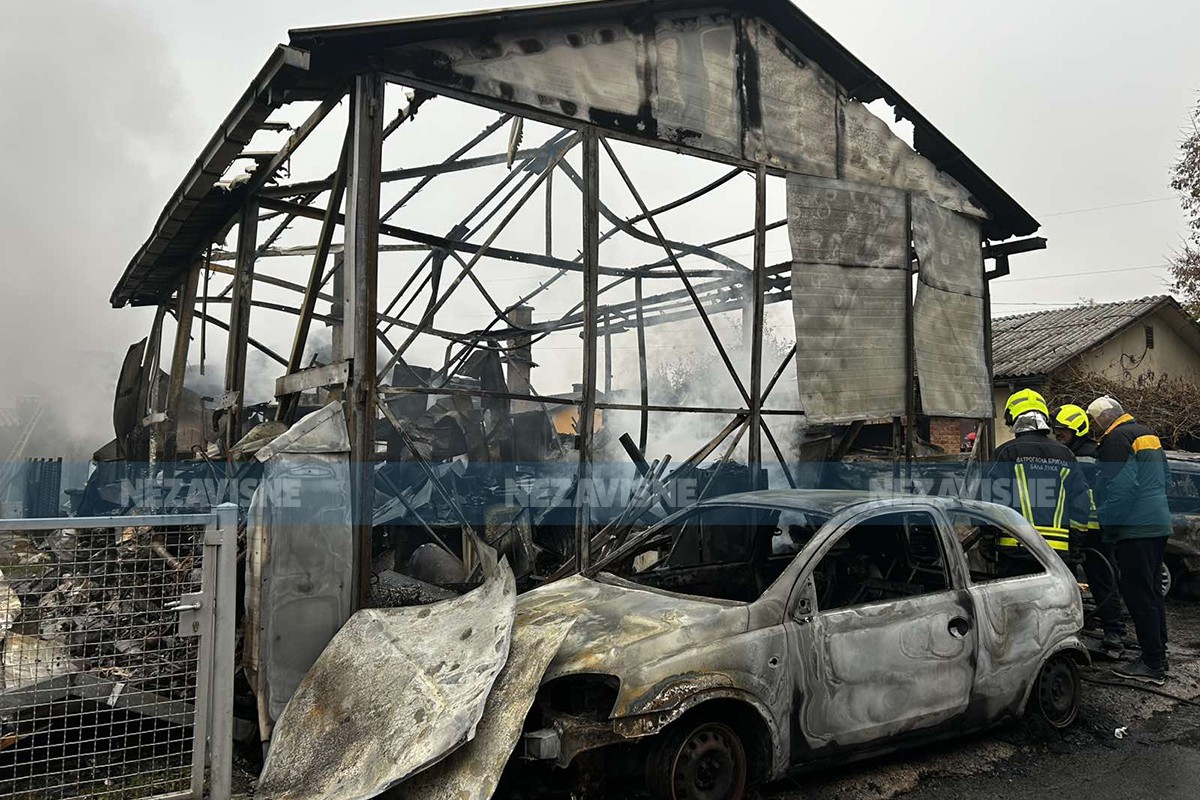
point(224, 634)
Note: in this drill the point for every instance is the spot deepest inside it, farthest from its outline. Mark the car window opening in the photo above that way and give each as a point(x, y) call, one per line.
point(889, 557)
point(724, 552)
point(978, 537)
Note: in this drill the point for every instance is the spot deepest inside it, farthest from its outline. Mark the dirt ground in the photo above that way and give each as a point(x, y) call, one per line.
point(1158, 755)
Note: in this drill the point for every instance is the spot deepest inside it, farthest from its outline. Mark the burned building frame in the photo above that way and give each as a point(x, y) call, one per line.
point(755, 91)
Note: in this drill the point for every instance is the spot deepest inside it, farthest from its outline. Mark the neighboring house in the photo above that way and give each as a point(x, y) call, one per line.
point(1151, 337)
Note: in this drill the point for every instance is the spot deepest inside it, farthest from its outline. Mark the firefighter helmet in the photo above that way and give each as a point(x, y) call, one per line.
point(1023, 402)
point(1072, 418)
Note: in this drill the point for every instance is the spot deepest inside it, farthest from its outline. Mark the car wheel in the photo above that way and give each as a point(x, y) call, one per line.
point(698, 760)
point(1166, 580)
point(1057, 694)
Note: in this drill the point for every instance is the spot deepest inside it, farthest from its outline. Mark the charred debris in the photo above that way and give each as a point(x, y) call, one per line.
point(366, 341)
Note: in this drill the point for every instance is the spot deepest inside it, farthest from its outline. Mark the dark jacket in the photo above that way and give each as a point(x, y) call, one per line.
point(1087, 451)
point(1040, 478)
point(1131, 483)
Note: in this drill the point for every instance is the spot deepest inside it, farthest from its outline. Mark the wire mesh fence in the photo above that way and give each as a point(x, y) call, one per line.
point(102, 643)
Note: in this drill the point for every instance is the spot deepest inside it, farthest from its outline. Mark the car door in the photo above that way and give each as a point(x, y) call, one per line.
point(1023, 607)
point(880, 632)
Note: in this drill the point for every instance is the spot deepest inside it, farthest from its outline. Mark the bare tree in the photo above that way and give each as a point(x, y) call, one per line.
point(1185, 179)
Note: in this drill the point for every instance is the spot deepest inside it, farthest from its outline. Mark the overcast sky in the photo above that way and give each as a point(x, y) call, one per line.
point(1069, 105)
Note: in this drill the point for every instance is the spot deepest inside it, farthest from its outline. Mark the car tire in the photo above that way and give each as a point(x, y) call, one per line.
point(1057, 693)
point(1166, 580)
point(698, 759)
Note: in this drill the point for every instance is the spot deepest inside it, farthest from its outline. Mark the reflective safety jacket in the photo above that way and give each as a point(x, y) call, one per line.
point(1132, 480)
point(1040, 478)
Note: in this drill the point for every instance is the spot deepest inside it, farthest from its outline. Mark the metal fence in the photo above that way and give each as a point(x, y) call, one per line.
point(117, 653)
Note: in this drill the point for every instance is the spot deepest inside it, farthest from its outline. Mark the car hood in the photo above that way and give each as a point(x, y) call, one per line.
point(623, 629)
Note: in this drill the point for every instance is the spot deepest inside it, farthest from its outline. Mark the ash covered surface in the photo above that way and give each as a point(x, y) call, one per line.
point(1159, 756)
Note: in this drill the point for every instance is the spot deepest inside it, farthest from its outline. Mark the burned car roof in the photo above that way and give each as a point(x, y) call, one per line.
point(825, 501)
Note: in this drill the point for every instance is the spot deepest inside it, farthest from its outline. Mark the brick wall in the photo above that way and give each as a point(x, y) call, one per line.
point(945, 433)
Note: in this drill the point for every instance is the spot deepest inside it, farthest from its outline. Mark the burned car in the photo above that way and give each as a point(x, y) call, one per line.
point(762, 634)
point(746, 638)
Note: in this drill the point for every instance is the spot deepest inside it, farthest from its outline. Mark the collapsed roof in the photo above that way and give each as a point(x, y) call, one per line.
point(766, 85)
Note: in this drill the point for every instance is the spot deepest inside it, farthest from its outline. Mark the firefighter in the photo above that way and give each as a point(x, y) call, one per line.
point(1039, 477)
point(1072, 428)
point(1131, 499)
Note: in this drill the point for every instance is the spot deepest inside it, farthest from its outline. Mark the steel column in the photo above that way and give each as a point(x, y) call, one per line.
point(643, 378)
point(591, 291)
point(910, 378)
point(287, 405)
point(185, 312)
point(239, 319)
point(359, 281)
point(757, 314)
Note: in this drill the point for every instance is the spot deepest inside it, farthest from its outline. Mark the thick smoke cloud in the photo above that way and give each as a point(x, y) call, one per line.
point(91, 137)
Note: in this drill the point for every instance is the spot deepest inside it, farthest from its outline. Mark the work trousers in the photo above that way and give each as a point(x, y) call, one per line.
point(1100, 567)
point(1140, 564)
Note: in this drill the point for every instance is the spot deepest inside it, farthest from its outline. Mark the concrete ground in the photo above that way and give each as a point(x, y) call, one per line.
point(1158, 755)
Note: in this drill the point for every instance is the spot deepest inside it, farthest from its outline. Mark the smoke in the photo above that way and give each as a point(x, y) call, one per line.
point(92, 143)
point(685, 369)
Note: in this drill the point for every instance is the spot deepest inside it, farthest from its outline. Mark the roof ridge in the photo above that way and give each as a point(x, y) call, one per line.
point(1155, 298)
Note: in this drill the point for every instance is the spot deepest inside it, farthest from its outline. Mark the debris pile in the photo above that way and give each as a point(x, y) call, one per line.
point(98, 601)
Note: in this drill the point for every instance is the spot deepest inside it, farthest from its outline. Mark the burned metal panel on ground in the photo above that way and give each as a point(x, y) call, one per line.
point(396, 691)
point(473, 771)
point(850, 245)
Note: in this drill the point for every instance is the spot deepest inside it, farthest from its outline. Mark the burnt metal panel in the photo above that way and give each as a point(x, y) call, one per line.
point(473, 771)
point(849, 341)
point(949, 314)
point(835, 222)
point(791, 106)
point(698, 100)
point(849, 280)
point(872, 153)
point(300, 586)
point(951, 354)
point(394, 692)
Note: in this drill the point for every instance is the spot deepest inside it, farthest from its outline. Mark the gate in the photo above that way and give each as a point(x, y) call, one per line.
point(117, 648)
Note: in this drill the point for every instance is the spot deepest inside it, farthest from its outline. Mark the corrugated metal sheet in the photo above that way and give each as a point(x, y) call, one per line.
point(1029, 345)
point(849, 287)
point(849, 341)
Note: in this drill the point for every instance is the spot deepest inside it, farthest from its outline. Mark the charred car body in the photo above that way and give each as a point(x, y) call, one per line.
point(879, 623)
point(799, 628)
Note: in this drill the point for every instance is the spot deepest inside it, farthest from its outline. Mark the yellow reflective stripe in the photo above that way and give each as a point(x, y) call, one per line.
point(1121, 421)
point(1023, 491)
point(1062, 496)
point(1146, 443)
point(1055, 544)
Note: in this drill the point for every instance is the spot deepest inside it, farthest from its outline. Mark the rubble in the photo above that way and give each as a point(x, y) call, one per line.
point(97, 601)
